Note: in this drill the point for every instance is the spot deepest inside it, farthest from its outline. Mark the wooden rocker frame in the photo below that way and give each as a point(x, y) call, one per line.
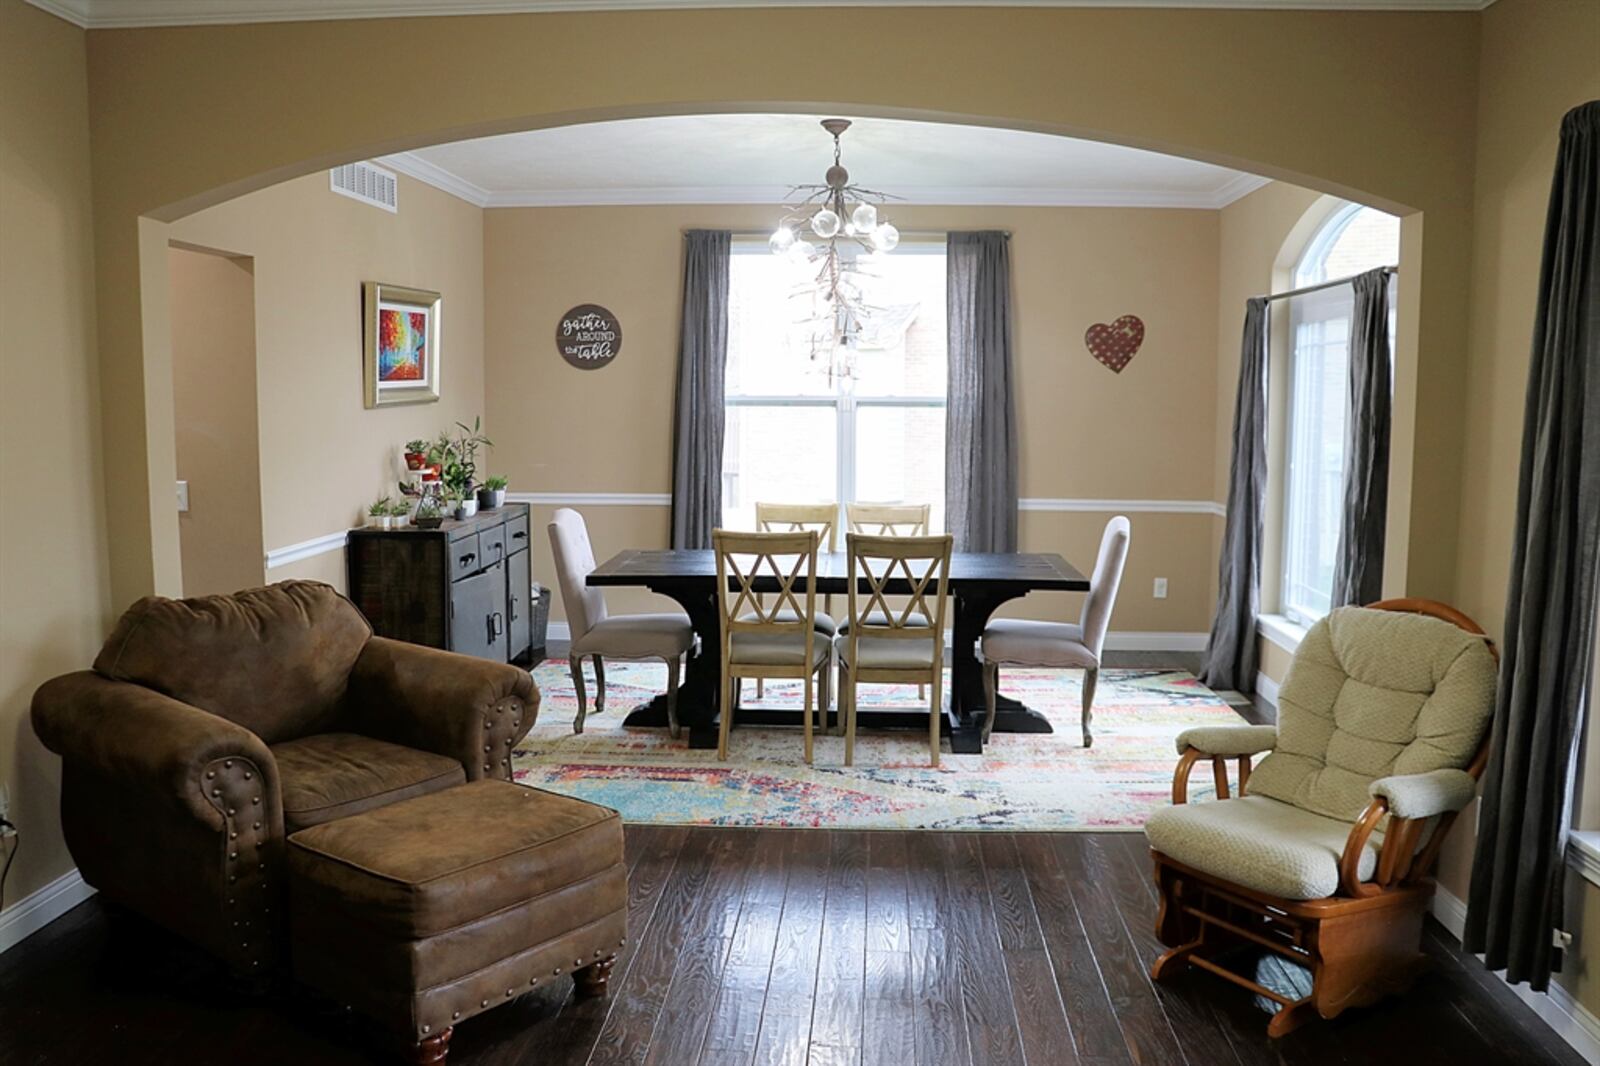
point(1361, 944)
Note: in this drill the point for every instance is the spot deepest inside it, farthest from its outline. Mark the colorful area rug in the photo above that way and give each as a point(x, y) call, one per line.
point(1021, 781)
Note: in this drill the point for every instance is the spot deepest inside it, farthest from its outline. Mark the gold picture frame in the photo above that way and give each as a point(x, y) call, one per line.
point(400, 328)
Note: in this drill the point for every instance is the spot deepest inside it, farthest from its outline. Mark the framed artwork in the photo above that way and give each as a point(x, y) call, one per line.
point(401, 335)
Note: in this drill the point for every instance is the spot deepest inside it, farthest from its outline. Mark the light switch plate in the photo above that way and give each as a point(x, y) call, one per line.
point(1161, 588)
point(183, 497)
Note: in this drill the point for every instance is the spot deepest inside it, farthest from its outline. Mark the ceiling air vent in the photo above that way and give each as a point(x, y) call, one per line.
point(367, 183)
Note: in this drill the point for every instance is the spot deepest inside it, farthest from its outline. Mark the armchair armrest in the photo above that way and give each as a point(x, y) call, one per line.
point(471, 710)
point(1425, 795)
point(138, 737)
point(1228, 741)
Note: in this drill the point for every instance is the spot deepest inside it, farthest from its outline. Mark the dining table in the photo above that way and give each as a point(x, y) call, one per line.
point(979, 583)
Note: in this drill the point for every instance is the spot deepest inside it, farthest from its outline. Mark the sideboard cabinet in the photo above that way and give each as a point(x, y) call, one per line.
point(463, 587)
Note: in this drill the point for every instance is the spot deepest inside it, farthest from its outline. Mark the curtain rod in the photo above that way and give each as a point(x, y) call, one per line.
point(1321, 285)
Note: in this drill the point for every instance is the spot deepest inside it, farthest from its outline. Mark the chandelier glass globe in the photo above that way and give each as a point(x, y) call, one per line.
point(781, 241)
point(825, 224)
point(885, 238)
point(864, 218)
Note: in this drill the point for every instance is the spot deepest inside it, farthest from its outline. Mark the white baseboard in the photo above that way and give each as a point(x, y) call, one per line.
point(1571, 1020)
point(33, 912)
point(1267, 688)
point(1128, 641)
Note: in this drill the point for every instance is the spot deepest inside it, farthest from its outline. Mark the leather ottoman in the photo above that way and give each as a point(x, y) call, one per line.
point(431, 910)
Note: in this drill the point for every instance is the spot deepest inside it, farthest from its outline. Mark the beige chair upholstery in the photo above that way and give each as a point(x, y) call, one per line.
point(1375, 703)
point(599, 636)
point(1060, 645)
point(895, 644)
point(779, 639)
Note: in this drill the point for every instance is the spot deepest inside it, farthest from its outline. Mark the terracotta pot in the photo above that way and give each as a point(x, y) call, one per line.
point(414, 460)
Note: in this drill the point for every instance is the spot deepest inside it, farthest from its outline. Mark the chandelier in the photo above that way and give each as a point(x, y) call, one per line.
point(843, 217)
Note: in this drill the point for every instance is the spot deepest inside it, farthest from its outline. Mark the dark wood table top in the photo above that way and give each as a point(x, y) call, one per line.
point(1024, 570)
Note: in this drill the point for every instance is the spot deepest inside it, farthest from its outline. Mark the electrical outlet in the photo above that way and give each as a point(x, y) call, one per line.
point(1161, 588)
point(183, 497)
point(1561, 939)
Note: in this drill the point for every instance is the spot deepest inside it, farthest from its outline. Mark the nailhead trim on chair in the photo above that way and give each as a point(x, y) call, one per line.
point(501, 723)
point(243, 858)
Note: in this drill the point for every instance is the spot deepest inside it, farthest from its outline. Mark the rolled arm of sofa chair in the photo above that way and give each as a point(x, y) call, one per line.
point(1425, 795)
point(468, 709)
point(136, 736)
point(1228, 741)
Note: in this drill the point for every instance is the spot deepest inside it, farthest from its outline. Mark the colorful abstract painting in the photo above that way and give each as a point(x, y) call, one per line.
point(402, 345)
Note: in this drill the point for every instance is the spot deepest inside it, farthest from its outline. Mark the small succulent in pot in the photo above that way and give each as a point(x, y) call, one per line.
point(378, 513)
point(492, 493)
point(416, 454)
point(400, 513)
point(428, 515)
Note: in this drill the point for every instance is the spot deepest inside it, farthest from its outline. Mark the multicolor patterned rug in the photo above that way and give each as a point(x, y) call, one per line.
point(1021, 781)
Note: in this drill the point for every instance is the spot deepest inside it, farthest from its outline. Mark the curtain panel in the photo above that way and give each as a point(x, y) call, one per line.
point(699, 419)
point(1230, 658)
point(981, 419)
point(1519, 865)
point(1358, 563)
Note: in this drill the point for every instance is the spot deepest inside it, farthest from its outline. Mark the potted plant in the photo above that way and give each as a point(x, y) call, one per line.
point(399, 513)
point(416, 454)
point(428, 515)
point(492, 494)
point(378, 513)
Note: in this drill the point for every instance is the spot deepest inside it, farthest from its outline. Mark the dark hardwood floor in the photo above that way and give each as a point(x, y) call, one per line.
point(788, 947)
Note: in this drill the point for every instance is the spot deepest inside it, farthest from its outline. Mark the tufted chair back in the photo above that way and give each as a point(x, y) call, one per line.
point(274, 660)
point(1372, 693)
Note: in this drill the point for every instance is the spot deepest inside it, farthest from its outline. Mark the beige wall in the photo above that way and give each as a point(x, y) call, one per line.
point(214, 399)
point(1085, 432)
point(1538, 60)
point(54, 583)
point(324, 456)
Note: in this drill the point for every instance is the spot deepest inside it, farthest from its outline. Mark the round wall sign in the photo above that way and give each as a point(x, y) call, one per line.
point(588, 336)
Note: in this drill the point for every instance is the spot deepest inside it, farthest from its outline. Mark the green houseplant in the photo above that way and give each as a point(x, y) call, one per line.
point(416, 454)
point(428, 515)
point(379, 512)
point(492, 493)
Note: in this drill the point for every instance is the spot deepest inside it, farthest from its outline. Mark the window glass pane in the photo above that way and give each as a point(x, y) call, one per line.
point(903, 352)
point(783, 454)
point(900, 457)
point(1315, 482)
point(1353, 240)
point(768, 353)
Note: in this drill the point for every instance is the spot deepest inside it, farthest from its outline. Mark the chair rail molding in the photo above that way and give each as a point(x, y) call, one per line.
point(593, 499)
point(293, 553)
point(1047, 503)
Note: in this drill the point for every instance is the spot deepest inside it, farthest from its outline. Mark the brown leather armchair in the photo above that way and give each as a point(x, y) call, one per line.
point(210, 729)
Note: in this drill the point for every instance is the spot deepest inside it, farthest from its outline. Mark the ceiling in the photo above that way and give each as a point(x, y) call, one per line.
point(106, 14)
point(723, 159)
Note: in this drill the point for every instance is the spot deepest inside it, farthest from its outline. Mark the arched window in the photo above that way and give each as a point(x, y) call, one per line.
point(1353, 239)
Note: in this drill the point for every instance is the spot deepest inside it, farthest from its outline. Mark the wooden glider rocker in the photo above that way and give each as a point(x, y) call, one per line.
point(1322, 853)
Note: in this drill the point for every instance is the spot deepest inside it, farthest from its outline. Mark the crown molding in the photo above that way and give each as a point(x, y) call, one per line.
point(414, 166)
point(129, 14)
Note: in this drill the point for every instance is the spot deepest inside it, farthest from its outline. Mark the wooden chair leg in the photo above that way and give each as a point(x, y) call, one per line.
point(576, 665)
point(433, 1050)
point(991, 685)
point(849, 715)
point(674, 665)
point(806, 714)
point(935, 712)
point(761, 687)
point(594, 980)
point(599, 685)
point(824, 692)
point(1089, 679)
point(922, 692)
point(730, 689)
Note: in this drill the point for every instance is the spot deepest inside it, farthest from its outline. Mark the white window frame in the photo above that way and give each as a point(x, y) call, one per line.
point(844, 402)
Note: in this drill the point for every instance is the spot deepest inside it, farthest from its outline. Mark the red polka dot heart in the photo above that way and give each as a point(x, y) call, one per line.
point(1116, 344)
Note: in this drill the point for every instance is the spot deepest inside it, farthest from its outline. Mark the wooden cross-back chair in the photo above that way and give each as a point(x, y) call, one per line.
point(903, 644)
point(890, 520)
point(1288, 858)
point(777, 639)
point(797, 518)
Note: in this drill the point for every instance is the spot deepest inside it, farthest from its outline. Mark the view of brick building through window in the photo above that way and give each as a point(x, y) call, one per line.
point(794, 436)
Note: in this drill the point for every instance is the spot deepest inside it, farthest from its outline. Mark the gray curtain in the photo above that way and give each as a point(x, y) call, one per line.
point(1358, 566)
point(980, 472)
point(1231, 649)
point(702, 365)
point(1517, 870)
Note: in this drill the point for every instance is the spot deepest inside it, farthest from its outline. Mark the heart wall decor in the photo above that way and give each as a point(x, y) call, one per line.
point(1116, 344)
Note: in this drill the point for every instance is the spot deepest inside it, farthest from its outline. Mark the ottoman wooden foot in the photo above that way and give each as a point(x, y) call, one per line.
point(594, 980)
point(433, 1050)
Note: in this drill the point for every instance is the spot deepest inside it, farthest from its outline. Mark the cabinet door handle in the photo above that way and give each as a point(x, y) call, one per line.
point(466, 560)
point(513, 608)
point(519, 534)
point(497, 625)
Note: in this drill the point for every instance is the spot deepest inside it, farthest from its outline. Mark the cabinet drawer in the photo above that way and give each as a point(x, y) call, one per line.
point(492, 544)
point(465, 557)
point(516, 534)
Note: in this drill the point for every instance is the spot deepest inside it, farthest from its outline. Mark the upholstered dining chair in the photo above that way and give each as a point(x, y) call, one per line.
point(796, 518)
point(902, 644)
point(1062, 645)
point(779, 640)
point(1322, 852)
point(600, 636)
point(890, 520)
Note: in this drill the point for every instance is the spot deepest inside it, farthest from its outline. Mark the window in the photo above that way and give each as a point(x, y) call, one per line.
point(794, 436)
point(1354, 239)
